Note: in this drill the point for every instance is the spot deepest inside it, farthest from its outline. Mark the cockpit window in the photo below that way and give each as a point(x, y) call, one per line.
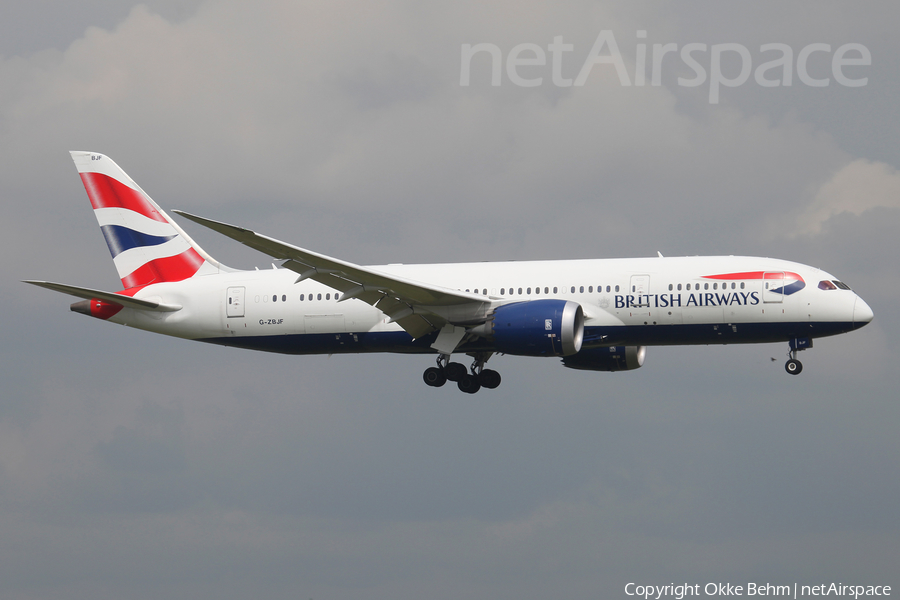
point(826, 285)
point(840, 284)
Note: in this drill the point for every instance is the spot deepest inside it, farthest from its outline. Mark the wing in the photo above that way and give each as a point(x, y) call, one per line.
point(419, 308)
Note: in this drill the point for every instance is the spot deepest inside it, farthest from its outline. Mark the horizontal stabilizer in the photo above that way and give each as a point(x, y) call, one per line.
point(89, 294)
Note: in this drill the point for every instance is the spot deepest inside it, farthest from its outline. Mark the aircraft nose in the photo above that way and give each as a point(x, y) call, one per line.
point(862, 314)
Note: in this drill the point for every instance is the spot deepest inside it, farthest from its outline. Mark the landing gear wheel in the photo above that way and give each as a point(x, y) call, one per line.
point(793, 366)
point(468, 384)
point(434, 377)
point(455, 371)
point(488, 378)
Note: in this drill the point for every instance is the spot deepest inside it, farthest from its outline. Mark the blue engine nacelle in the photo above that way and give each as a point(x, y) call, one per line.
point(614, 358)
point(538, 328)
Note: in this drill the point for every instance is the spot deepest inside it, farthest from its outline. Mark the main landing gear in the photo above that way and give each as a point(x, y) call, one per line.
point(794, 366)
point(468, 382)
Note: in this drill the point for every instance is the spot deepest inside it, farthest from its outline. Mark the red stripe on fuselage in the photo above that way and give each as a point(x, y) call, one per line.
point(106, 192)
point(756, 275)
point(171, 268)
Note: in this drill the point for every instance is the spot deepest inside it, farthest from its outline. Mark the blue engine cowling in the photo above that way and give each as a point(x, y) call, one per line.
point(538, 328)
point(613, 358)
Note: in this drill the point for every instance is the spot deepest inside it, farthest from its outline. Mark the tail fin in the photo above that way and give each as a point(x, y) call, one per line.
point(145, 244)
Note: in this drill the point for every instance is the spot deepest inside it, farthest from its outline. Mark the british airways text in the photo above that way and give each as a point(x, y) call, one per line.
point(701, 299)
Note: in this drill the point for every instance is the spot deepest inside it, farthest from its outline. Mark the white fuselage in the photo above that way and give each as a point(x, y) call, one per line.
point(638, 301)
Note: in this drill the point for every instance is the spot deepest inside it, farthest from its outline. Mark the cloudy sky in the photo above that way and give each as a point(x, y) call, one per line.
point(134, 466)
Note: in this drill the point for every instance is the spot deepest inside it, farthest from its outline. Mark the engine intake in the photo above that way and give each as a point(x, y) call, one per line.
point(613, 358)
point(538, 328)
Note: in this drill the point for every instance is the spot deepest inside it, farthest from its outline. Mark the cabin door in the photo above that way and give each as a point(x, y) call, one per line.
point(234, 302)
point(640, 287)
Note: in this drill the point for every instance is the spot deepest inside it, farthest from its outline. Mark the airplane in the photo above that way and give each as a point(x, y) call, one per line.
point(593, 314)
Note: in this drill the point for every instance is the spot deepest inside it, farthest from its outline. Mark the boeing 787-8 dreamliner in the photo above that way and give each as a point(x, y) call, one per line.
point(597, 315)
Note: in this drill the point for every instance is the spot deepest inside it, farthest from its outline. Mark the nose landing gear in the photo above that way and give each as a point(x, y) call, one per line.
point(794, 366)
point(466, 381)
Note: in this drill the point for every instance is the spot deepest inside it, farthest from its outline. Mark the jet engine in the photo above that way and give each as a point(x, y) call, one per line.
point(536, 328)
point(613, 358)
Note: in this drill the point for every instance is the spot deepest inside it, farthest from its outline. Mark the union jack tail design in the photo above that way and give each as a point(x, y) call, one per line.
point(145, 244)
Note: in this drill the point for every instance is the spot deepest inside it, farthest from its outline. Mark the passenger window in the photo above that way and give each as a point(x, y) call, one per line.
point(590, 289)
point(337, 296)
point(546, 290)
point(617, 288)
point(554, 289)
point(688, 287)
point(328, 296)
point(274, 298)
point(484, 291)
point(742, 285)
point(581, 289)
point(302, 297)
point(284, 298)
point(706, 286)
point(573, 289)
point(529, 291)
point(607, 289)
point(715, 286)
point(520, 291)
point(537, 290)
point(502, 291)
point(318, 296)
point(670, 287)
point(679, 287)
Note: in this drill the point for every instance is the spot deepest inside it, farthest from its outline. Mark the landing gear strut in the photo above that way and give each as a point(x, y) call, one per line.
point(466, 381)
